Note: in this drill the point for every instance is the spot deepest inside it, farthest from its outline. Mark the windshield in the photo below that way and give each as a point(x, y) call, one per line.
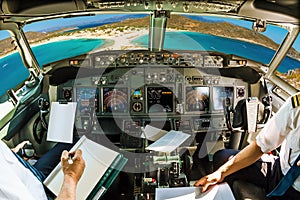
point(57, 39)
point(127, 32)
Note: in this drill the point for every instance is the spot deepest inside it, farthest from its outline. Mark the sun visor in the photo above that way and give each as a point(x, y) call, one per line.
point(45, 7)
point(271, 11)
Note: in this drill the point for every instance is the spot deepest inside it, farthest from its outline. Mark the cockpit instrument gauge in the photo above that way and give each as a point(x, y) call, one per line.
point(87, 98)
point(137, 94)
point(115, 100)
point(222, 94)
point(240, 92)
point(197, 98)
point(159, 99)
point(67, 94)
point(137, 107)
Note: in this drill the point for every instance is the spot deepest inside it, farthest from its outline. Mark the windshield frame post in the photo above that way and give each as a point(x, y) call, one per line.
point(25, 51)
point(158, 24)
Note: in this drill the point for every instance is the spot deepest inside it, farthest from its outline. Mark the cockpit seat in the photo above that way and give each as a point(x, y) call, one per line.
point(248, 191)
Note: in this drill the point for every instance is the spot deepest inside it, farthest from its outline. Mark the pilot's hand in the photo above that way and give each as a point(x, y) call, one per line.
point(298, 163)
point(209, 180)
point(75, 169)
point(19, 146)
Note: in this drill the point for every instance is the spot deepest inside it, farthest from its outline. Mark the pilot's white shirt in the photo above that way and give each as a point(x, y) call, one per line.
point(283, 129)
point(16, 181)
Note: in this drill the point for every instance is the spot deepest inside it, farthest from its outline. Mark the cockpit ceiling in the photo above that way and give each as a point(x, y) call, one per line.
point(270, 10)
point(36, 6)
point(177, 6)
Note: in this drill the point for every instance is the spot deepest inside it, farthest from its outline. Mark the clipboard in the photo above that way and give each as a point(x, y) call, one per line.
point(61, 122)
point(102, 167)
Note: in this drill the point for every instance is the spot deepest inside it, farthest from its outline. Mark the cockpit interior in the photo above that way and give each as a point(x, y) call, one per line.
point(215, 70)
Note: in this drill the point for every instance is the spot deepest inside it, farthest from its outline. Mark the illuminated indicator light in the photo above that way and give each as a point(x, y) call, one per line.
point(242, 62)
point(165, 55)
point(137, 94)
point(175, 55)
point(74, 62)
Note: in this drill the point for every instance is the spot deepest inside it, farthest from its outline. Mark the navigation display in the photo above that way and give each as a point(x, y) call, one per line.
point(197, 98)
point(87, 98)
point(114, 100)
point(220, 93)
point(160, 99)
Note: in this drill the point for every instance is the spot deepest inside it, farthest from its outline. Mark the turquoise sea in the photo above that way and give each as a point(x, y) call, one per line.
point(11, 74)
point(199, 41)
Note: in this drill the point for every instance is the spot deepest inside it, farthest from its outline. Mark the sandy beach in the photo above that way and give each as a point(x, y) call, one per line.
point(115, 39)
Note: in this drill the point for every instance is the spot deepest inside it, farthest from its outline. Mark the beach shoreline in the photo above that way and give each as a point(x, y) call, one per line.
point(114, 40)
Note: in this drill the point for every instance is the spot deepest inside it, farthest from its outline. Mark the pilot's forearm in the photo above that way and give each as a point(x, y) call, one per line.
point(72, 173)
point(244, 158)
point(68, 189)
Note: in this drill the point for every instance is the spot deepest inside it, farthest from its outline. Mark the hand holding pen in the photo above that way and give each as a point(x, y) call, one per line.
point(72, 164)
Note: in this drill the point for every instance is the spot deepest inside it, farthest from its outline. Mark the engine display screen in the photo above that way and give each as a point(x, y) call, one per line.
point(87, 99)
point(114, 100)
point(160, 99)
point(197, 98)
point(220, 94)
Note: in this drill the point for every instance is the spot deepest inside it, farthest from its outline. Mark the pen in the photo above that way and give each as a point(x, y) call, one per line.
point(70, 160)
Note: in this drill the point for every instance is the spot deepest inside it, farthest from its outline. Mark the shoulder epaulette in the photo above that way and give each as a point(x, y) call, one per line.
point(296, 100)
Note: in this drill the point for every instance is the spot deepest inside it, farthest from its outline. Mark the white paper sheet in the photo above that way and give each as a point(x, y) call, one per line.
point(61, 122)
point(152, 133)
point(218, 192)
point(252, 110)
point(169, 142)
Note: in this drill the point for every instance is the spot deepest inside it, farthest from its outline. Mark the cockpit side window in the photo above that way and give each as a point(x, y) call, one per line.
point(289, 69)
point(12, 75)
point(12, 70)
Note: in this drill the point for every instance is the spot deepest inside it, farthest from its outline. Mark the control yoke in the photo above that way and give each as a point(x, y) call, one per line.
point(267, 102)
point(239, 114)
point(40, 125)
point(228, 109)
point(44, 106)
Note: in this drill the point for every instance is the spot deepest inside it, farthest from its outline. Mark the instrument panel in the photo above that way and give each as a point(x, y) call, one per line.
point(138, 95)
point(148, 86)
point(175, 59)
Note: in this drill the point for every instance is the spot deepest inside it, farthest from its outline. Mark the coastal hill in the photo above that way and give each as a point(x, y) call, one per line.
point(7, 46)
point(176, 22)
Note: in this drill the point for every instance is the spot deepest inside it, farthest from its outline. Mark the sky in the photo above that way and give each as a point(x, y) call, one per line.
point(275, 33)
